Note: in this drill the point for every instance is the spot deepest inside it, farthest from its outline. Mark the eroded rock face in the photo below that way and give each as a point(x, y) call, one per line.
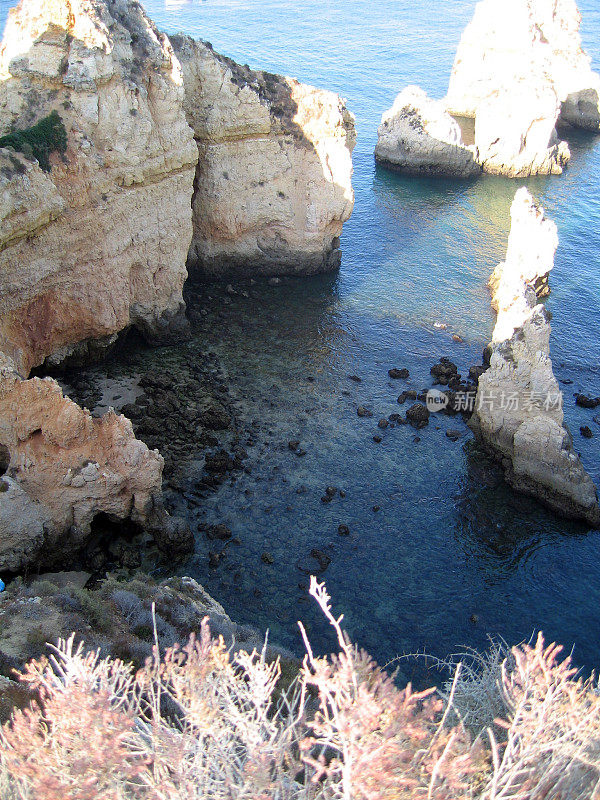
point(64, 468)
point(518, 411)
point(418, 136)
point(105, 234)
point(273, 185)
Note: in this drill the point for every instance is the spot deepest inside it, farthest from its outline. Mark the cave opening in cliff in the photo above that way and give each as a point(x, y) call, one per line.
point(4, 458)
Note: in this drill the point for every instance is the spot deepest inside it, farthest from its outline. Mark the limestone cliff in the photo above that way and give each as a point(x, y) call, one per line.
point(273, 185)
point(525, 43)
point(518, 410)
point(100, 241)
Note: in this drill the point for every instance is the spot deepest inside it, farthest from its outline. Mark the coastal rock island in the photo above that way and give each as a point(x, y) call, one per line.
point(121, 162)
point(520, 74)
point(518, 409)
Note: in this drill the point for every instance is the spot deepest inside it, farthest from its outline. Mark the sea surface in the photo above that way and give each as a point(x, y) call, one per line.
point(452, 555)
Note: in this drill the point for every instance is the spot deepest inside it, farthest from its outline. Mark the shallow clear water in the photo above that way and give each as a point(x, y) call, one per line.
point(449, 540)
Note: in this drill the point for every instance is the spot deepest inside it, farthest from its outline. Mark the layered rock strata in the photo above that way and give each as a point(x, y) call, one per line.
point(273, 185)
point(518, 410)
point(100, 241)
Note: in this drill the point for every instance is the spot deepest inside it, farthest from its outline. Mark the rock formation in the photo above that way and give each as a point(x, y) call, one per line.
point(64, 468)
point(525, 43)
point(97, 182)
point(273, 185)
point(518, 410)
point(418, 136)
point(105, 233)
point(519, 72)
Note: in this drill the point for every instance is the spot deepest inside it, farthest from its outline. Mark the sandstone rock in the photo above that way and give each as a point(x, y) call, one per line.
point(105, 234)
point(418, 136)
point(518, 411)
point(64, 468)
point(273, 186)
point(525, 42)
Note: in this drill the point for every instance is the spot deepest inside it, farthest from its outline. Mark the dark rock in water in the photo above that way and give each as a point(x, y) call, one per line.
point(220, 462)
point(586, 432)
point(377, 439)
point(587, 402)
point(326, 498)
point(418, 415)
point(343, 530)
point(215, 417)
point(342, 493)
point(398, 419)
point(355, 378)
point(476, 371)
point(267, 558)
point(302, 489)
point(364, 412)
point(396, 373)
point(133, 411)
point(331, 491)
point(219, 531)
point(171, 534)
point(315, 564)
point(293, 446)
point(566, 381)
point(383, 423)
point(453, 434)
point(300, 452)
point(444, 370)
point(376, 508)
point(214, 559)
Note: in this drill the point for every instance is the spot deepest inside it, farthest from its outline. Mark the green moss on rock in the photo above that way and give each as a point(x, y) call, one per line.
point(46, 136)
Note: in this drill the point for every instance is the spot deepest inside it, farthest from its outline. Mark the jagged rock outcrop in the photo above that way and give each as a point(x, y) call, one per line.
point(519, 72)
point(100, 241)
point(64, 468)
point(418, 136)
point(273, 186)
point(525, 43)
point(518, 410)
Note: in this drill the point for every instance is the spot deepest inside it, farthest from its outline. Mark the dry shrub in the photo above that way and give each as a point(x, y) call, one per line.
point(203, 723)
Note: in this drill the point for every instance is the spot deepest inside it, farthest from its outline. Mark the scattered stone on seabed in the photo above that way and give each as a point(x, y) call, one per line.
point(383, 423)
point(418, 415)
point(364, 412)
point(343, 530)
point(355, 378)
point(219, 531)
point(294, 445)
point(267, 558)
point(586, 432)
point(454, 434)
point(398, 373)
point(377, 439)
point(587, 402)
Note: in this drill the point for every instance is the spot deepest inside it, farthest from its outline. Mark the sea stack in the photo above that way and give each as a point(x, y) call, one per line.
point(520, 73)
point(518, 410)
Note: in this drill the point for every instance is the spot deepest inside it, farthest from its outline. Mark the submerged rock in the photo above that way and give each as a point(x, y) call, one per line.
point(273, 186)
point(518, 411)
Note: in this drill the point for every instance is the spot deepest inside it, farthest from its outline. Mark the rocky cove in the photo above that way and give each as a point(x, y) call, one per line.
point(414, 528)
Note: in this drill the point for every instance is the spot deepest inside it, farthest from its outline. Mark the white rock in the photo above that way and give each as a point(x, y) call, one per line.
point(418, 136)
point(518, 410)
point(527, 42)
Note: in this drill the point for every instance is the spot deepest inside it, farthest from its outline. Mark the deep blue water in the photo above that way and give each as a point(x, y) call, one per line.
point(448, 541)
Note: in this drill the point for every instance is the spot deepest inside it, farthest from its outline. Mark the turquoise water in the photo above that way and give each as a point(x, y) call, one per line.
point(451, 555)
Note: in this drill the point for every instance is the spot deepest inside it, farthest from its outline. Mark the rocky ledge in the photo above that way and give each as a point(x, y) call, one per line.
point(519, 73)
point(518, 411)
